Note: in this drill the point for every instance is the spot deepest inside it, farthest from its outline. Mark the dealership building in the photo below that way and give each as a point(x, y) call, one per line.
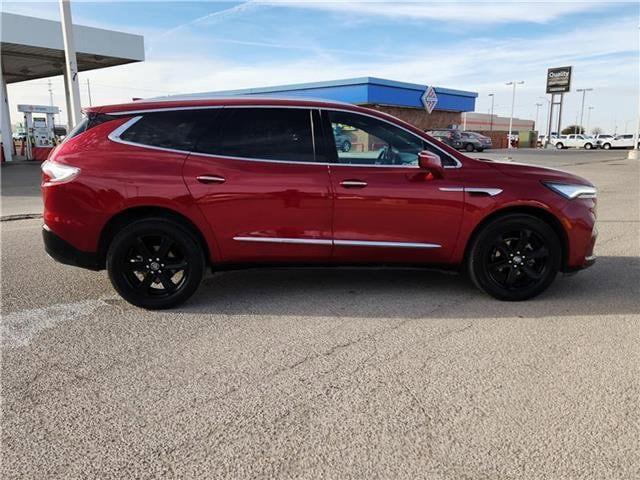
point(408, 101)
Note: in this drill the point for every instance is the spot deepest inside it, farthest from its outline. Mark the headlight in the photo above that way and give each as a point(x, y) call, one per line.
point(55, 173)
point(571, 191)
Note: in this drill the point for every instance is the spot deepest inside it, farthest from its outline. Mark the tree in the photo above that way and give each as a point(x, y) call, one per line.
point(596, 131)
point(572, 129)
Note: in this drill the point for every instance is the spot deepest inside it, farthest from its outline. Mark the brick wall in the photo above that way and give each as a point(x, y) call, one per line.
point(420, 118)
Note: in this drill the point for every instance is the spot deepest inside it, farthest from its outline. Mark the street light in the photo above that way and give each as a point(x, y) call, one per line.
point(535, 125)
point(492, 95)
point(589, 108)
point(513, 101)
point(584, 92)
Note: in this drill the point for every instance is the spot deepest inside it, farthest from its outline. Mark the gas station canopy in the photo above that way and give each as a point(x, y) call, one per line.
point(33, 48)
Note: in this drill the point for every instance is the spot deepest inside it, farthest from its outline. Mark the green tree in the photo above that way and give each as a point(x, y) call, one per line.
point(572, 129)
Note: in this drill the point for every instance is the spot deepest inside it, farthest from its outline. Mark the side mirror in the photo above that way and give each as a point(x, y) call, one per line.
point(431, 162)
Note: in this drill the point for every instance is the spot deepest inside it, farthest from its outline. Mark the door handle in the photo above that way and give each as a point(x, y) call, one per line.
point(210, 179)
point(353, 184)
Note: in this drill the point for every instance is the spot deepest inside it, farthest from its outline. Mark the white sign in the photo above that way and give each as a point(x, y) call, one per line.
point(38, 109)
point(429, 99)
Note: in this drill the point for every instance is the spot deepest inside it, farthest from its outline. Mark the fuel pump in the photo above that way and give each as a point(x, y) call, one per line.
point(40, 136)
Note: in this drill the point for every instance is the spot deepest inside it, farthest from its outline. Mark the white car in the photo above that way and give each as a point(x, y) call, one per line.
point(574, 141)
point(619, 141)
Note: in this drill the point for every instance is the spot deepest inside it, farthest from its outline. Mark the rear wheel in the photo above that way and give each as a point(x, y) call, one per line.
point(515, 257)
point(559, 146)
point(588, 146)
point(155, 263)
point(606, 146)
point(346, 146)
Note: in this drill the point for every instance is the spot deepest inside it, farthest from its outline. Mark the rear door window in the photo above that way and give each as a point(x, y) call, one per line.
point(261, 133)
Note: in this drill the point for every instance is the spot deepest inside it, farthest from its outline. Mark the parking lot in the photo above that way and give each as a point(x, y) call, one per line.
point(326, 373)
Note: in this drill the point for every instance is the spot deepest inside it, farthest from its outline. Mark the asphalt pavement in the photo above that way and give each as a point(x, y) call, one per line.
point(327, 373)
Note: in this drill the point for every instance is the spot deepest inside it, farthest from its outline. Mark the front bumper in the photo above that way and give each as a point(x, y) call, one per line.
point(64, 252)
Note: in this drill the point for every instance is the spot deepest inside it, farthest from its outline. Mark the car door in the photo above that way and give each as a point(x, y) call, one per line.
point(258, 180)
point(387, 209)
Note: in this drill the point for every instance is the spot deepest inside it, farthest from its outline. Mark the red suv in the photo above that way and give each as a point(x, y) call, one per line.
point(158, 191)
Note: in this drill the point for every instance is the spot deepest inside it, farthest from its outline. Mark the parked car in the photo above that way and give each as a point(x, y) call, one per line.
point(156, 192)
point(619, 141)
point(484, 140)
point(574, 141)
point(342, 139)
point(458, 139)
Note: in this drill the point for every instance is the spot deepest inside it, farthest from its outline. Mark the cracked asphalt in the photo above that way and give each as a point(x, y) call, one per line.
point(320, 373)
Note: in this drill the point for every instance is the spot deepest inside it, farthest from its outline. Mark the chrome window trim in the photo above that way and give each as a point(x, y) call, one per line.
point(115, 136)
point(346, 243)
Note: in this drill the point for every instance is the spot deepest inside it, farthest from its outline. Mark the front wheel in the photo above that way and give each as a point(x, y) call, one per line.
point(588, 146)
point(559, 146)
point(155, 263)
point(515, 257)
point(469, 147)
point(346, 146)
point(606, 146)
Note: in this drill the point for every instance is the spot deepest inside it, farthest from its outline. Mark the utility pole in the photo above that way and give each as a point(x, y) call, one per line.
point(513, 101)
point(51, 100)
point(535, 125)
point(89, 91)
point(589, 108)
point(491, 114)
point(71, 65)
point(584, 92)
point(548, 113)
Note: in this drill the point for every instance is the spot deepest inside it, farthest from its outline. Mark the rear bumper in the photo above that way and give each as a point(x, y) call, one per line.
point(64, 252)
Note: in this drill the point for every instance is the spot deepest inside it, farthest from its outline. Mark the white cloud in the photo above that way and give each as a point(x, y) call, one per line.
point(450, 11)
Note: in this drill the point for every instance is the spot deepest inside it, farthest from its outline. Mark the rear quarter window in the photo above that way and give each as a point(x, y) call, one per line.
point(175, 130)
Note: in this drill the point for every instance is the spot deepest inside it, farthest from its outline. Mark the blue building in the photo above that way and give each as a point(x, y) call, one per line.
point(403, 100)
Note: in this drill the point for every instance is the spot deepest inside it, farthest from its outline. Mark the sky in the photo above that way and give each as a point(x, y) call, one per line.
point(476, 46)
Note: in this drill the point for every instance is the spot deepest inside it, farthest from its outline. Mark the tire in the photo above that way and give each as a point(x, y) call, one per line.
point(559, 146)
point(138, 254)
point(479, 149)
point(469, 147)
point(588, 146)
point(346, 146)
point(606, 146)
point(510, 239)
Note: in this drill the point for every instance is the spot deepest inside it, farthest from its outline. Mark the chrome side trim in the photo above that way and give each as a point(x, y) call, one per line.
point(303, 241)
point(362, 243)
point(451, 189)
point(353, 183)
point(346, 243)
point(492, 192)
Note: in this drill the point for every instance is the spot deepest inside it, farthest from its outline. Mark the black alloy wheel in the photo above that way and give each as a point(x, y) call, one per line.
point(469, 147)
point(155, 263)
point(515, 258)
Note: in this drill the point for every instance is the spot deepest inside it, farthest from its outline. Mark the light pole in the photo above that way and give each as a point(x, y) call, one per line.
point(584, 93)
point(535, 125)
point(589, 108)
point(513, 101)
point(493, 97)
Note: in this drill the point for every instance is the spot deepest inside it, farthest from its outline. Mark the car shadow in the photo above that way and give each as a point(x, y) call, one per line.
point(610, 287)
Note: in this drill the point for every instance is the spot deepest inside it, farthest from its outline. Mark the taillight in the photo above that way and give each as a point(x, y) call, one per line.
point(54, 173)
